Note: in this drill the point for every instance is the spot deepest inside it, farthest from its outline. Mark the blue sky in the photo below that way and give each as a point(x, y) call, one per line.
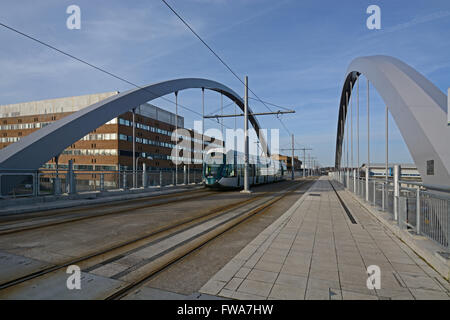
point(294, 52)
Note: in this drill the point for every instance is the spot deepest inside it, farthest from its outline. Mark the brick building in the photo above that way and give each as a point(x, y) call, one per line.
point(288, 161)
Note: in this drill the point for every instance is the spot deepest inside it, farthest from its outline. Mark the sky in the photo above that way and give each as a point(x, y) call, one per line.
point(295, 54)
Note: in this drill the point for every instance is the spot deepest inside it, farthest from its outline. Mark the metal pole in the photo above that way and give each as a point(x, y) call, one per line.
point(246, 156)
point(57, 181)
point(309, 165)
point(137, 168)
point(387, 143)
point(351, 127)
point(357, 126)
point(235, 118)
point(57, 166)
point(221, 122)
point(304, 162)
point(144, 175)
point(346, 126)
point(374, 192)
point(292, 160)
point(72, 183)
point(176, 138)
point(347, 175)
point(368, 144)
point(134, 148)
point(203, 125)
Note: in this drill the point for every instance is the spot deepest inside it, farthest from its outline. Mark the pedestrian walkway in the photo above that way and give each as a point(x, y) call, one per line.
point(317, 250)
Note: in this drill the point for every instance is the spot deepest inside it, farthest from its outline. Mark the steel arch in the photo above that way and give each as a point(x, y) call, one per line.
point(417, 106)
point(37, 148)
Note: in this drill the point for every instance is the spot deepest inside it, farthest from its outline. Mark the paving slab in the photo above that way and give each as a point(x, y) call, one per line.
point(54, 287)
point(14, 266)
point(315, 252)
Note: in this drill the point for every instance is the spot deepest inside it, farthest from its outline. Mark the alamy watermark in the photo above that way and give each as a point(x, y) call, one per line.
point(74, 20)
point(374, 20)
point(374, 279)
point(74, 280)
point(233, 140)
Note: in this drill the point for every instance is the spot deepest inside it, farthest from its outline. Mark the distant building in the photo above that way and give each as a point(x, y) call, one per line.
point(109, 147)
point(378, 170)
point(288, 161)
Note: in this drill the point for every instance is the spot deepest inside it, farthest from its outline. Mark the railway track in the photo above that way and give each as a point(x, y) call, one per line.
point(85, 213)
point(167, 245)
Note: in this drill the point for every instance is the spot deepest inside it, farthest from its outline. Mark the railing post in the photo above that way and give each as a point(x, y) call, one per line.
point(102, 181)
point(374, 193)
point(402, 212)
point(188, 174)
point(184, 175)
point(448, 226)
point(38, 185)
point(173, 178)
point(396, 189)
point(160, 179)
point(72, 182)
point(418, 210)
point(354, 181)
point(347, 182)
point(118, 178)
point(56, 186)
point(367, 183)
point(144, 175)
point(35, 184)
point(382, 196)
point(124, 179)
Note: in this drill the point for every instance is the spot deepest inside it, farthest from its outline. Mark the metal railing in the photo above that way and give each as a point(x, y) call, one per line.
point(421, 209)
point(33, 183)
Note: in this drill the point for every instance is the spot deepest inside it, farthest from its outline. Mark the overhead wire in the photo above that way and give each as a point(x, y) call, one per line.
point(220, 59)
point(96, 67)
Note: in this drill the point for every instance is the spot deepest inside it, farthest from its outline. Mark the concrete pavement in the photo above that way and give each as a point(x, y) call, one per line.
point(315, 251)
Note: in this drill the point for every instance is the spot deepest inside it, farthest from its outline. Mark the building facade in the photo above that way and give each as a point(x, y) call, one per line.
point(288, 161)
point(109, 147)
point(378, 170)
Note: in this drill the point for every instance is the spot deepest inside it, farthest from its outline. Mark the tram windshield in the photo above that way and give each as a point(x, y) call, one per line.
point(213, 169)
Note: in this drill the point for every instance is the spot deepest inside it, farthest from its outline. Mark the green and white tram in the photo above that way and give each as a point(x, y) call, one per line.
point(222, 174)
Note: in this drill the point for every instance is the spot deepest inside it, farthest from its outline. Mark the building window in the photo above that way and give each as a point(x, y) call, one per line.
point(430, 167)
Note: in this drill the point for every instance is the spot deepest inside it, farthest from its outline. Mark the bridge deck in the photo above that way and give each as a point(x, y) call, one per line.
point(316, 251)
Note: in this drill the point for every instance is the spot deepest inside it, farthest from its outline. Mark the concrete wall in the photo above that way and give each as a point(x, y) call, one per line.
point(59, 105)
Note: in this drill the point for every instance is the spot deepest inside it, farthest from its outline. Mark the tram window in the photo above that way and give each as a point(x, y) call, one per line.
point(229, 171)
point(213, 170)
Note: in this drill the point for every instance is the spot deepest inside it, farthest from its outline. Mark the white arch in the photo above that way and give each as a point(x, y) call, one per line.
point(417, 106)
point(37, 148)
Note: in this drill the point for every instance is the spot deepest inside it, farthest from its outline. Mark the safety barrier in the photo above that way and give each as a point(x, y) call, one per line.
point(33, 183)
point(420, 209)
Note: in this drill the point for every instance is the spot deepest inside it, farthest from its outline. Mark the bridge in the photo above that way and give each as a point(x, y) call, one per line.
point(347, 235)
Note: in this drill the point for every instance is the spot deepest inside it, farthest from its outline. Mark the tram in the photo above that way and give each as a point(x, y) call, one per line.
point(218, 173)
